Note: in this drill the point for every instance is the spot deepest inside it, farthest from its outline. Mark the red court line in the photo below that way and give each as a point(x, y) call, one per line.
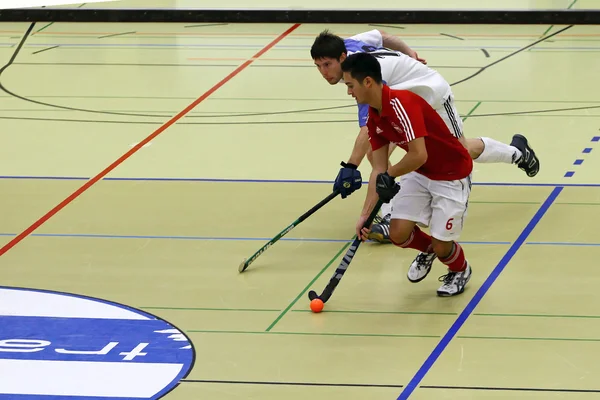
point(125, 156)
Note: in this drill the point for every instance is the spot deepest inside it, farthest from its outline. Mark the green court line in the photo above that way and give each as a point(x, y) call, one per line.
point(227, 309)
point(472, 109)
point(572, 4)
point(316, 334)
point(539, 315)
point(505, 202)
point(576, 40)
point(566, 39)
point(383, 312)
point(549, 115)
point(550, 50)
point(579, 204)
point(454, 314)
point(547, 30)
point(212, 309)
point(571, 316)
point(533, 202)
point(203, 36)
point(44, 27)
point(392, 335)
point(309, 284)
point(529, 338)
point(528, 101)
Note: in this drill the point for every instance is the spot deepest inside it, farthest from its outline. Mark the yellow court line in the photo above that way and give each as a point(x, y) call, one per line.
point(242, 34)
point(244, 59)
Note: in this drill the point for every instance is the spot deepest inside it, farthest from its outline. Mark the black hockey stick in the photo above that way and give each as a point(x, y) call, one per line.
point(246, 262)
point(345, 263)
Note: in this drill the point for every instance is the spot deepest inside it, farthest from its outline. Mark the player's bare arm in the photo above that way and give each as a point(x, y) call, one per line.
point(361, 147)
point(380, 164)
point(414, 158)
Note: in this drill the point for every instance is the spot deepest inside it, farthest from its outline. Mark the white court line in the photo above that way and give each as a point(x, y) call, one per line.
point(6, 4)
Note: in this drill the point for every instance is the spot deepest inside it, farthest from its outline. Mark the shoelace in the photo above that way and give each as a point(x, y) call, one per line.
point(421, 260)
point(449, 277)
point(382, 221)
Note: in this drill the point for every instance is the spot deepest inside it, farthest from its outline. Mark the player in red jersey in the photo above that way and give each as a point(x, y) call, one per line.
point(435, 174)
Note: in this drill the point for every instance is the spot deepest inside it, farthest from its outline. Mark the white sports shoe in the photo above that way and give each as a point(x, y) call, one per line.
point(454, 282)
point(420, 267)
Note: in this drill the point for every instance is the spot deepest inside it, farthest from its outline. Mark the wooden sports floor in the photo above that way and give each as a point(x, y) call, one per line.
point(240, 149)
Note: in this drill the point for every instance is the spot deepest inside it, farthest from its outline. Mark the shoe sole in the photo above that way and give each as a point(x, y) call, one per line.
point(418, 280)
point(378, 237)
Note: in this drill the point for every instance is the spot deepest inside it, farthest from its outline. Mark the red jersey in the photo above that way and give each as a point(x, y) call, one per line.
point(406, 116)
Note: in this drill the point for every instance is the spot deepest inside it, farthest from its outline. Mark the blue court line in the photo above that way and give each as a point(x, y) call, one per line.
point(265, 239)
point(464, 315)
point(82, 178)
point(437, 351)
point(580, 161)
point(563, 244)
point(208, 238)
point(233, 180)
point(174, 237)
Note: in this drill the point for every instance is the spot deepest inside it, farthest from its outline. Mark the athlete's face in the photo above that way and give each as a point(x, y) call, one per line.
point(356, 89)
point(330, 68)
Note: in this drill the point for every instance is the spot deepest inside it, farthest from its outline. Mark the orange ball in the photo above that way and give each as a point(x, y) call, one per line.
point(316, 305)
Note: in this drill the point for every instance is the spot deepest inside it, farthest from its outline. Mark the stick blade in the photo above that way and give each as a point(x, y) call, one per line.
point(243, 266)
point(312, 295)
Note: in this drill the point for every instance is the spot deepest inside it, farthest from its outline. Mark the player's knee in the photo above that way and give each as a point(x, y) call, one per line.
point(475, 147)
point(441, 248)
point(399, 239)
point(400, 232)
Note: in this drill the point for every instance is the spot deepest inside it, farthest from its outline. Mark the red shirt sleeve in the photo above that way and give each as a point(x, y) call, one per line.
point(377, 141)
point(409, 115)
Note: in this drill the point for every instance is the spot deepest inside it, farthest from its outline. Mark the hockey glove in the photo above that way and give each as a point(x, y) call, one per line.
point(348, 180)
point(386, 187)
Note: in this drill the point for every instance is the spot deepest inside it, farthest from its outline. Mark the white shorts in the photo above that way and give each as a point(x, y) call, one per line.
point(450, 115)
point(440, 205)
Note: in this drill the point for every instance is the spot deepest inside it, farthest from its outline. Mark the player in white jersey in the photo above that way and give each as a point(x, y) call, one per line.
point(403, 69)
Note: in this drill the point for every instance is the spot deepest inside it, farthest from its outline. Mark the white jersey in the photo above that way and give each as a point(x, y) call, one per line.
point(400, 71)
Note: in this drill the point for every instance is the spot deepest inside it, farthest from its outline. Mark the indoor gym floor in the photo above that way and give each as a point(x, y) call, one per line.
point(165, 230)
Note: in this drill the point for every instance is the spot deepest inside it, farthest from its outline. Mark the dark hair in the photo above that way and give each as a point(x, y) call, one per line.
point(361, 65)
point(327, 45)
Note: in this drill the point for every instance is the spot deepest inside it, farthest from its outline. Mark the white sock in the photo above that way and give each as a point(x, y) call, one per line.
point(386, 208)
point(498, 152)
